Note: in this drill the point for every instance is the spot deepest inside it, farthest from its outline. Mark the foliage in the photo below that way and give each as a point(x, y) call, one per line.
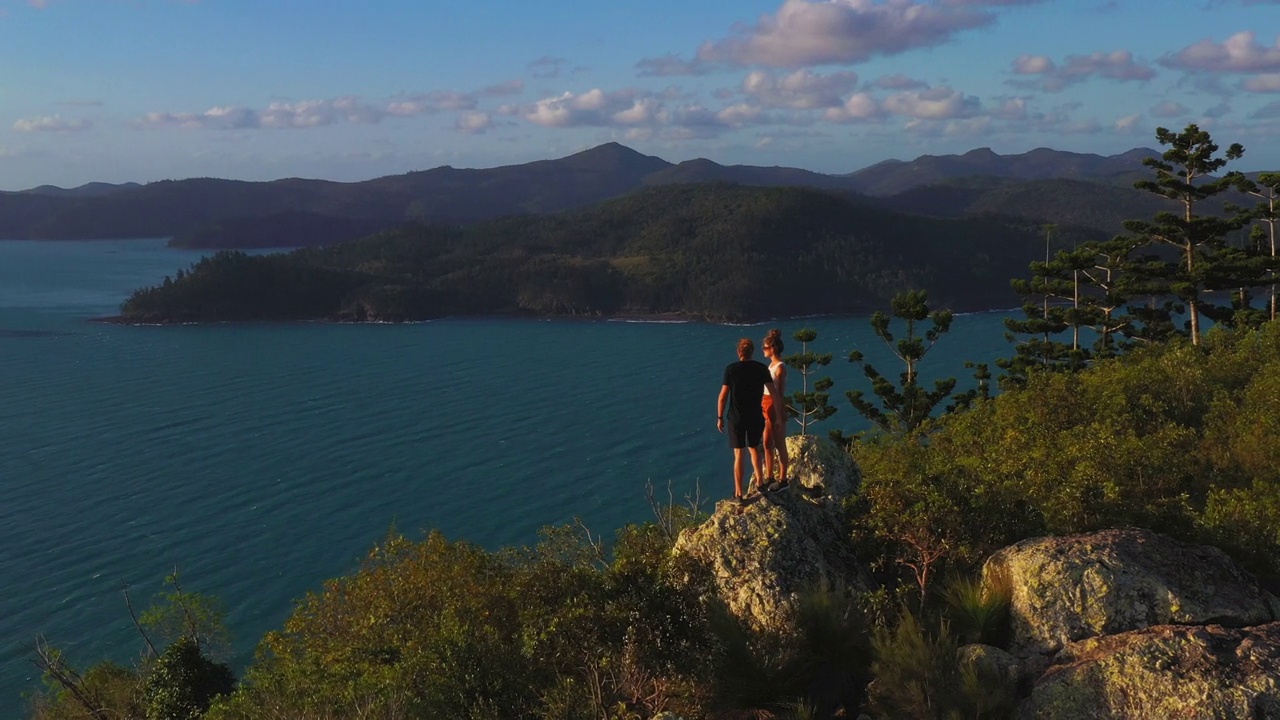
point(182, 683)
point(1178, 438)
point(979, 609)
point(1267, 189)
point(107, 690)
point(1134, 288)
point(918, 675)
point(1184, 175)
point(907, 408)
point(805, 405)
point(697, 250)
point(818, 669)
point(919, 510)
point(179, 682)
point(445, 629)
point(176, 615)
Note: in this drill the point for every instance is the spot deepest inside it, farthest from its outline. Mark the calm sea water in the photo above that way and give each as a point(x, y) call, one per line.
point(262, 459)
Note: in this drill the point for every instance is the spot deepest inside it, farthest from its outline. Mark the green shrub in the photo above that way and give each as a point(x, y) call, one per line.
point(918, 675)
point(183, 682)
point(979, 609)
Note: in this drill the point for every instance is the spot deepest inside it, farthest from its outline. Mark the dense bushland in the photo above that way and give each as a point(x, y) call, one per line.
point(697, 250)
point(1156, 426)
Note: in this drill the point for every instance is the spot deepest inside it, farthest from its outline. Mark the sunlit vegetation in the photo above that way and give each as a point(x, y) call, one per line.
point(1153, 425)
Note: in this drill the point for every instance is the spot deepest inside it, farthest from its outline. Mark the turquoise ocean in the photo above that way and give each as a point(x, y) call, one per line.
point(262, 459)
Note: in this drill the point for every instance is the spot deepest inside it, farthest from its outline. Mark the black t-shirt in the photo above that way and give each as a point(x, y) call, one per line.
point(746, 380)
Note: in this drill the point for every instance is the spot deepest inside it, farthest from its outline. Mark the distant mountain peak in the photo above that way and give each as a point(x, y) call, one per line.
point(613, 156)
point(1038, 164)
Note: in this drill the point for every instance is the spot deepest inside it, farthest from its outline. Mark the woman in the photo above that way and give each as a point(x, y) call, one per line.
point(774, 407)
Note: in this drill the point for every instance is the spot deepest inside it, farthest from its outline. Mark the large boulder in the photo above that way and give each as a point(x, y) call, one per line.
point(1166, 671)
point(817, 464)
point(1066, 589)
point(763, 556)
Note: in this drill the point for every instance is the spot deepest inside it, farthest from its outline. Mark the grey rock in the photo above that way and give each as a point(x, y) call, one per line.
point(763, 556)
point(1066, 589)
point(1166, 671)
point(820, 465)
point(992, 664)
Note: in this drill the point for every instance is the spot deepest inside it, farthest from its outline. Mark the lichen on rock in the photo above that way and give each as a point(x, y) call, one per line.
point(1067, 589)
point(763, 556)
point(1167, 671)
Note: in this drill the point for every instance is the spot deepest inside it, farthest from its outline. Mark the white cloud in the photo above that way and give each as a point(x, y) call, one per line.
point(643, 111)
point(859, 106)
point(1011, 109)
point(818, 32)
point(1032, 64)
point(739, 114)
point(992, 3)
point(1169, 109)
point(51, 123)
point(937, 103)
point(1129, 123)
point(1115, 65)
point(1238, 53)
point(474, 123)
point(593, 108)
point(800, 90)
point(314, 113)
point(1265, 83)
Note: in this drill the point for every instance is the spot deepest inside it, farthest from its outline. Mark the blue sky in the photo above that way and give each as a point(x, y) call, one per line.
point(144, 90)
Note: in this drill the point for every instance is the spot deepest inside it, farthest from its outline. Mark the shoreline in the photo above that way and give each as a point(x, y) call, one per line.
point(638, 318)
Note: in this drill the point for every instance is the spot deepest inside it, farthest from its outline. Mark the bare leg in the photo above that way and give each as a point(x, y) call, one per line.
point(768, 452)
point(756, 466)
point(739, 465)
point(780, 444)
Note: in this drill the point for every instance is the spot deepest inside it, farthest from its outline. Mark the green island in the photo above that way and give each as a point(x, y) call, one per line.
point(1099, 539)
point(701, 251)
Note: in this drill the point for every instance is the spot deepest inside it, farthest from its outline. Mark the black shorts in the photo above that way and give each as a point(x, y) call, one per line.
point(742, 435)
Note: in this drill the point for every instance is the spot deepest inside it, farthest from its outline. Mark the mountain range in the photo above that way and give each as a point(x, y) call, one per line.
point(1043, 185)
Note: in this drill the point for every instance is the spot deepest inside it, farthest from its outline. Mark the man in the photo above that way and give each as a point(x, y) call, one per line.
point(744, 385)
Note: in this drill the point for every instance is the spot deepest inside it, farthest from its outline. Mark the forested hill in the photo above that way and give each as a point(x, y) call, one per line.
point(1061, 201)
point(214, 213)
point(714, 251)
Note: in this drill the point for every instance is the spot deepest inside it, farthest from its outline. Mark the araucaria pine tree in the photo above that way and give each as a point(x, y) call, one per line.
point(809, 406)
point(1267, 190)
point(1185, 175)
point(904, 409)
point(1047, 299)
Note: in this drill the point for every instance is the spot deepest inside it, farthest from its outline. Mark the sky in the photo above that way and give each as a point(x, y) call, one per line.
point(146, 90)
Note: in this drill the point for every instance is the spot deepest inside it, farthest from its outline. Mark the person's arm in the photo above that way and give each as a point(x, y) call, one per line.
point(720, 402)
point(780, 399)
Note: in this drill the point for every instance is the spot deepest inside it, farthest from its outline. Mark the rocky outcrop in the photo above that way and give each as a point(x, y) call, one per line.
point(1067, 589)
point(820, 465)
point(1163, 672)
point(764, 555)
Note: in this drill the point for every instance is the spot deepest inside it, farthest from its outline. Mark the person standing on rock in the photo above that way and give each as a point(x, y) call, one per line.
point(744, 385)
point(774, 408)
